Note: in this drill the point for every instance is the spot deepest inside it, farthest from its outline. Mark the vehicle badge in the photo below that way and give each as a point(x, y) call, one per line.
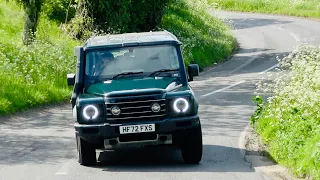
point(155, 107)
point(115, 110)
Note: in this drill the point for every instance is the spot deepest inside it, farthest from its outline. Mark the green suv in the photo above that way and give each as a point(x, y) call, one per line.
point(130, 91)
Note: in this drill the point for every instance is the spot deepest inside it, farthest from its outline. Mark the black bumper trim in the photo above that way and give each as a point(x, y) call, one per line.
point(96, 133)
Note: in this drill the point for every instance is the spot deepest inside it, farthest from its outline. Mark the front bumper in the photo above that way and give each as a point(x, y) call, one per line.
point(107, 136)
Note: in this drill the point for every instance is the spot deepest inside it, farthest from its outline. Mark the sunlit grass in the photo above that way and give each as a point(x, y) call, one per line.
point(301, 8)
point(35, 75)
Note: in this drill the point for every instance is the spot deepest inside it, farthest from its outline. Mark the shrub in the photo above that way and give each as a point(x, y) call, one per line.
point(59, 10)
point(116, 16)
point(206, 39)
point(290, 121)
point(146, 15)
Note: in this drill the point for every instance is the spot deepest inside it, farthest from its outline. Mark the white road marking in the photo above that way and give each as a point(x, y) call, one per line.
point(278, 28)
point(212, 68)
point(295, 36)
point(243, 65)
point(64, 169)
point(269, 69)
point(230, 61)
point(219, 90)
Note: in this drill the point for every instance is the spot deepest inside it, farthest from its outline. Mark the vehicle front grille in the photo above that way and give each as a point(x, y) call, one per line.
point(136, 108)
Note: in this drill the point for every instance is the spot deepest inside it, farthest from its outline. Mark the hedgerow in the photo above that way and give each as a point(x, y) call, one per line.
point(289, 122)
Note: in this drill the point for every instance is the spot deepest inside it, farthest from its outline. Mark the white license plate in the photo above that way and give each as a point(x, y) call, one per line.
point(137, 128)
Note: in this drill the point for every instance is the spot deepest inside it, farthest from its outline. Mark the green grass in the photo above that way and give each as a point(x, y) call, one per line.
point(35, 75)
point(206, 39)
point(300, 8)
point(290, 121)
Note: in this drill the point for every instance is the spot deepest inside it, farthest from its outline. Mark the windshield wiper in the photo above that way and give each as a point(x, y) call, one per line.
point(126, 74)
point(162, 71)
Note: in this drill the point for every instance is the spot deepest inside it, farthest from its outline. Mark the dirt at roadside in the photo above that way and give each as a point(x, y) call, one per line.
point(254, 145)
point(257, 155)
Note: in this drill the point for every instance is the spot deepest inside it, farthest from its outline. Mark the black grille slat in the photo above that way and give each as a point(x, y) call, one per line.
point(139, 117)
point(142, 112)
point(136, 108)
point(132, 105)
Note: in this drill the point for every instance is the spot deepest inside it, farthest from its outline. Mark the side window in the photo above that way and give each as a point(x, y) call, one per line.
point(88, 70)
point(92, 63)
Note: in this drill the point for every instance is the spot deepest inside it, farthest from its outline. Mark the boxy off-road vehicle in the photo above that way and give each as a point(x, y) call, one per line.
point(131, 90)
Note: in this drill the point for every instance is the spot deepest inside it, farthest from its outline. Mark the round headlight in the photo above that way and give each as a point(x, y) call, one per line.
point(180, 105)
point(90, 112)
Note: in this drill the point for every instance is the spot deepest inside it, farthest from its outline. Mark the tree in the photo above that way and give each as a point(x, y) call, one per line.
point(32, 10)
point(117, 16)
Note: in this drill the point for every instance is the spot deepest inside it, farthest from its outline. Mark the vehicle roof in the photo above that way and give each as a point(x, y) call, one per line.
point(131, 39)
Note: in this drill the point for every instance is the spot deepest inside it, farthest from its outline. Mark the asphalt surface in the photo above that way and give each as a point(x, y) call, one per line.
point(41, 144)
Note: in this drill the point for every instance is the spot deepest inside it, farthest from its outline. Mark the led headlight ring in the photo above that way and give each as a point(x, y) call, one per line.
point(90, 108)
point(183, 102)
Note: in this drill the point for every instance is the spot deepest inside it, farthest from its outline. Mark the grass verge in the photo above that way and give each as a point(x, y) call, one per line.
point(300, 8)
point(35, 75)
point(289, 123)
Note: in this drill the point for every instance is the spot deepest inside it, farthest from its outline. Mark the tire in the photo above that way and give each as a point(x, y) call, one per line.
point(191, 148)
point(86, 152)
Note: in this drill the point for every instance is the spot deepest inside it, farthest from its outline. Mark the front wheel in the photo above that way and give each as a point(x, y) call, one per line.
point(86, 152)
point(191, 148)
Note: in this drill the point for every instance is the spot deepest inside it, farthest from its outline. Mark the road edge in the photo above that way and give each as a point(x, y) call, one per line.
point(254, 152)
point(33, 110)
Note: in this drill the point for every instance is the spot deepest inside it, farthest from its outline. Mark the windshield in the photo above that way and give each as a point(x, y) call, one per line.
point(138, 61)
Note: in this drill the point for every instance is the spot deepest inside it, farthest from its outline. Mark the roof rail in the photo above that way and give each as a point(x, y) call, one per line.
point(89, 40)
point(172, 35)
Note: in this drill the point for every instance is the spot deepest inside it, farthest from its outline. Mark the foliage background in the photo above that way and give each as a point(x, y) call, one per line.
point(35, 75)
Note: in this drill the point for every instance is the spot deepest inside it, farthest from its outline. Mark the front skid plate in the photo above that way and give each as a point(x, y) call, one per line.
point(120, 145)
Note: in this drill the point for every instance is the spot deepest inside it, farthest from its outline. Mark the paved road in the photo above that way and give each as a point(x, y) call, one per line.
point(41, 144)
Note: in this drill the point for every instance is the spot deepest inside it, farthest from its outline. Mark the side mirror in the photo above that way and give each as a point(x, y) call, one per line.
point(71, 79)
point(193, 70)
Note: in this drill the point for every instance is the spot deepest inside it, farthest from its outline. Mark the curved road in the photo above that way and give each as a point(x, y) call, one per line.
point(41, 144)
